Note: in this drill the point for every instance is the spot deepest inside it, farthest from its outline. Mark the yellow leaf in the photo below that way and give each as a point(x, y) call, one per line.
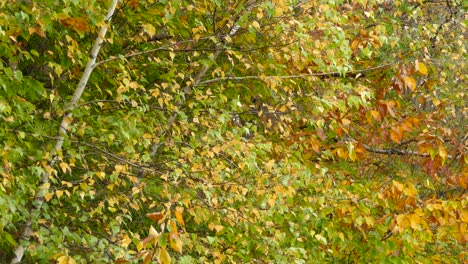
point(133, 85)
point(65, 167)
point(101, 175)
point(321, 238)
point(148, 257)
point(443, 153)
point(410, 190)
point(421, 68)
point(398, 185)
point(341, 153)
point(62, 260)
point(403, 221)
point(59, 193)
point(410, 82)
point(464, 215)
point(341, 236)
point(415, 220)
point(118, 168)
point(164, 257)
point(150, 29)
point(256, 25)
point(176, 244)
point(153, 232)
point(125, 241)
point(65, 260)
point(48, 196)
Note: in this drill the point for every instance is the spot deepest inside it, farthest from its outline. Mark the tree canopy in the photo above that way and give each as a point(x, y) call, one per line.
point(267, 131)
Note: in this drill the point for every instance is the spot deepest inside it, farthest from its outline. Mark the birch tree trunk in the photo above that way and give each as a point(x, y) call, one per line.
point(62, 131)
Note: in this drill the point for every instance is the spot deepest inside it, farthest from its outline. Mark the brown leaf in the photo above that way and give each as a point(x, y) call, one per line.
point(78, 24)
point(155, 216)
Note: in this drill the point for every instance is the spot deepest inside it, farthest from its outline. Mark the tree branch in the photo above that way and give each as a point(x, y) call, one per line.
point(163, 48)
point(318, 74)
point(394, 151)
point(62, 131)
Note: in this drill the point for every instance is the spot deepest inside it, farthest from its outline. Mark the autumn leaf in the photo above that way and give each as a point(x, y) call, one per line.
point(227, 123)
point(396, 136)
point(421, 68)
point(164, 256)
point(157, 216)
point(443, 154)
point(176, 244)
point(78, 24)
point(410, 82)
point(65, 260)
point(179, 217)
point(403, 221)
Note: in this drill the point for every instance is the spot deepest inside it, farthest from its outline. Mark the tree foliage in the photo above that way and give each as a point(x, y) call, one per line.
point(233, 131)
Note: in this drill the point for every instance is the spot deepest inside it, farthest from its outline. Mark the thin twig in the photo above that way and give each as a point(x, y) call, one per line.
point(318, 74)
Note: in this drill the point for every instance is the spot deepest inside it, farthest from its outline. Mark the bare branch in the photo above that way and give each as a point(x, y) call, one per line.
point(163, 48)
point(118, 158)
point(319, 74)
point(394, 151)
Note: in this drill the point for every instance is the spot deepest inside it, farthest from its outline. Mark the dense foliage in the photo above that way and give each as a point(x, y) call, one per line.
point(269, 131)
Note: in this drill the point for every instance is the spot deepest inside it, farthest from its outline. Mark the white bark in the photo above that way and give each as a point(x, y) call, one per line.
point(62, 131)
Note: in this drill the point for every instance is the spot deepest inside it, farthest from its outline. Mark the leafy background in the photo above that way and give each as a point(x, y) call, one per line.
point(235, 131)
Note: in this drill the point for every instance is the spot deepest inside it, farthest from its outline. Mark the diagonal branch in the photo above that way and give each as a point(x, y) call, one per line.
point(196, 81)
point(62, 131)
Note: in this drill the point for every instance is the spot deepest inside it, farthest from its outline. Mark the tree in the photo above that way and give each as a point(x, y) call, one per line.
point(233, 131)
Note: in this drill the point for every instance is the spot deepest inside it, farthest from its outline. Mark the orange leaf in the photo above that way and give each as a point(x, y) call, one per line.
point(174, 232)
point(410, 82)
point(148, 257)
point(407, 125)
point(355, 44)
point(464, 216)
point(178, 216)
point(376, 115)
point(341, 153)
point(395, 136)
point(155, 216)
